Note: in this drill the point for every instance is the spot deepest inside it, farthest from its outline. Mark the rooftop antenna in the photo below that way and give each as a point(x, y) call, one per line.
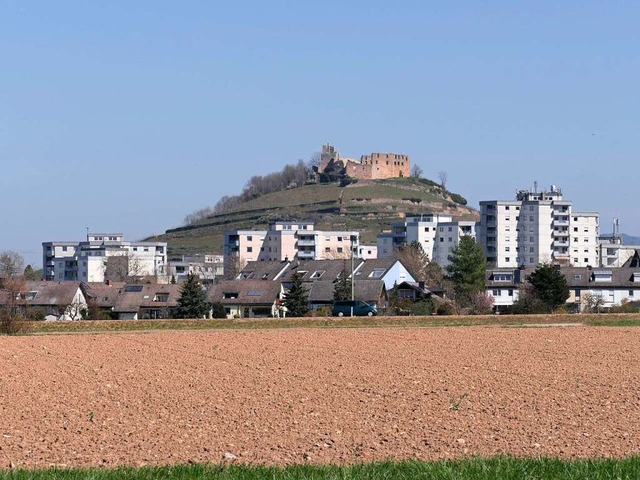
point(87, 233)
point(535, 186)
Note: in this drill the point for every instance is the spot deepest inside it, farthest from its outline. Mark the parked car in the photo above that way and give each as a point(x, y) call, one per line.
point(353, 307)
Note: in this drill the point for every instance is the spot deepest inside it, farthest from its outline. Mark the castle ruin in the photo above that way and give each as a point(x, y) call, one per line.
point(370, 167)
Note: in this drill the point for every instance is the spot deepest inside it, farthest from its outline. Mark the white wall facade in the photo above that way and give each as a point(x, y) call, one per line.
point(85, 261)
point(537, 228)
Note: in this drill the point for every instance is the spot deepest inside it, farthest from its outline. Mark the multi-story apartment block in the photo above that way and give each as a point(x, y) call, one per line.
point(88, 261)
point(287, 241)
point(205, 267)
point(538, 227)
point(437, 234)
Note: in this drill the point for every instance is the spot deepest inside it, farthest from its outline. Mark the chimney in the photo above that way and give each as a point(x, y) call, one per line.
point(109, 282)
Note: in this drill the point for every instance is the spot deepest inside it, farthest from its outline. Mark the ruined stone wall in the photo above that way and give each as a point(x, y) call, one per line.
point(387, 165)
point(370, 167)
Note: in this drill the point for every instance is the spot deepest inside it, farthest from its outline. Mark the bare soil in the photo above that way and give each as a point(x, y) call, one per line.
point(318, 396)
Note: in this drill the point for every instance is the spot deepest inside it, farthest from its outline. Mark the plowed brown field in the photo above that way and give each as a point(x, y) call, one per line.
point(320, 396)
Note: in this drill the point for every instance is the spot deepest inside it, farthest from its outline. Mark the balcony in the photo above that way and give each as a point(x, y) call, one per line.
point(558, 233)
point(306, 243)
point(309, 254)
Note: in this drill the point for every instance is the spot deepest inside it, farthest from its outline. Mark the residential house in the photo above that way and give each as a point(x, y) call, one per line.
point(247, 298)
point(149, 301)
point(53, 300)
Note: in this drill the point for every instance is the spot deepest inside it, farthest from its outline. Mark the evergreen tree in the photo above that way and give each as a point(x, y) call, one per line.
point(549, 286)
point(467, 269)
point(296, 299)
point(29, 273)
point(342, 288)
point(193, 299)
point(218, 310)
point(173, 280)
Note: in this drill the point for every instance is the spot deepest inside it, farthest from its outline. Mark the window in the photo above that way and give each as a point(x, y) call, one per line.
point(575, 229)
point(161, 297)
point(377, 273)
point(531, 239)
point(327, 249)
point(317, 274)
point(586, 239)
point(146, 249)
point(507, 218)
point(507, 207)
point(631, 293)
point(32, 295)
point(531, 209)
point(441, 239)
point(507, 259)
point(575, 219)
point(577, 276)
point(532, 249)
point(249, 249)
point(339, 249)
point(135, 249)
point(230, 295)
point(426, 229)
point(497, 293)
point(64, 249)
point(339, 239)
point(531, 218)
point(133, 288)
point(450, 229)
point(249, 238)
point(450, 239)
point(507, 249)
point(575, 239)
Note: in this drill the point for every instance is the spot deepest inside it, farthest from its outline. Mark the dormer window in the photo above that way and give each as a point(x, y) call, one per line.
point(602, 276)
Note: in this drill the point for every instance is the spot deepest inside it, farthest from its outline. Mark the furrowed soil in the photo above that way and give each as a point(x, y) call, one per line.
point(318, 396)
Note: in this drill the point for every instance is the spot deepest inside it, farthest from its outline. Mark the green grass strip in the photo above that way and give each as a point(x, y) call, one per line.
point(475, 468)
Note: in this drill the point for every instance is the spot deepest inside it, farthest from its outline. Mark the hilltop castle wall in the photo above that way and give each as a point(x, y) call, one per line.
point(370, 167)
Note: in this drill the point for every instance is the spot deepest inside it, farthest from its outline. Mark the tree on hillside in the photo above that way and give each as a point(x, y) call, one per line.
point(416, 171)
point(296, 299)
point(11, 264)
point(443, 177)
point(467, 270)
point(549, 286)
point(192, 302)
point(342, 288)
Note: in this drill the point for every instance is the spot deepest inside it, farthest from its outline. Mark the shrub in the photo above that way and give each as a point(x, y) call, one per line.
point(456, 197)
point(446, 307)
point(218, 310)
point(12, 322)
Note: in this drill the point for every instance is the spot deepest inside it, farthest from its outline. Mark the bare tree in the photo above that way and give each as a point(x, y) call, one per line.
point(443, 177)
point(416, 171)
point(11, 264)
point(315, 160)
point(122, 268)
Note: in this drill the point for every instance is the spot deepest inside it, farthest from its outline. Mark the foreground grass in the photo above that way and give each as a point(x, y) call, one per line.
point(95, 326)
point(494, 468)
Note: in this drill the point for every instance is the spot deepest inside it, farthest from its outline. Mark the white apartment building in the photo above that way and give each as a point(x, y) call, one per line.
point(538, 227)
point(206, 267)
point(88, 261)
point(288, 240)
point(437, 234)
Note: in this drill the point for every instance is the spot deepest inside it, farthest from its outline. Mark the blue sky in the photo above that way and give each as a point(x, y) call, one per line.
point(126, 116)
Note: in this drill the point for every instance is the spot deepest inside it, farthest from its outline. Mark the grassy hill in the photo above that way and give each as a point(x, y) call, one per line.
point(367, 206)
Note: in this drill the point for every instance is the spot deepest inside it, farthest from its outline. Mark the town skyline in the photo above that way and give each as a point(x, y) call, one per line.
point(126, 118)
